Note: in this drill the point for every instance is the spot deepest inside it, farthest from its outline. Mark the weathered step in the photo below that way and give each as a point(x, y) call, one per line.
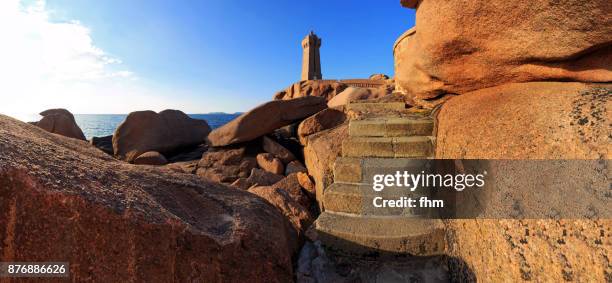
point(416, 146)
point(362, 199)
point(390, 127)
point(362, 170)
point(376, 106)
point(365, 235)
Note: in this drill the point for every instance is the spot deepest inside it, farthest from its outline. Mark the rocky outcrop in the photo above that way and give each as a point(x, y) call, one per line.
point(320, 88)
point(61, 122)
point(164, 132)
point(323, 120)
point(75, 203)
point(461, 46)
point(544, 120)
point(320, 153)
point(264, 119)
point(151, 158)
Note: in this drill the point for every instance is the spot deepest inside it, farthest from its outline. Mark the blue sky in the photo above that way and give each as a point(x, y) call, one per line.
point(196, 56)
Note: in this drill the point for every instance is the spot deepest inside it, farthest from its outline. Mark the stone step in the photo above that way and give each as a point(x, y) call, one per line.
point(397, 147)
point(359, 199)
point(390, 127)
point(376, 106)
point(348, 170)
point(368, 235)
point(362, 170)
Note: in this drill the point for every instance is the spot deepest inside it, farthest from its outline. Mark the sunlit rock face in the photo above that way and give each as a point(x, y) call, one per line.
point(460, 46)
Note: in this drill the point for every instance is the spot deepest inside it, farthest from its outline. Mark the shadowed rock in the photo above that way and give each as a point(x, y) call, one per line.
point(104, 143)
point(271, 146)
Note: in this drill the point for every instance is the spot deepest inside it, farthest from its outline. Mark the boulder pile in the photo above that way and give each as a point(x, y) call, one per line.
point(166, 174)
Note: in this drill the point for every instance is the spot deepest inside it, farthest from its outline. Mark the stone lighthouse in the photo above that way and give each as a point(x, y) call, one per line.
point(311, 61)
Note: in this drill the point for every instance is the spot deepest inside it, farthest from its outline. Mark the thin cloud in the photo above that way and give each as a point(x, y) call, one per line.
point(43, 49)
point(47, 63)
point(43, 60)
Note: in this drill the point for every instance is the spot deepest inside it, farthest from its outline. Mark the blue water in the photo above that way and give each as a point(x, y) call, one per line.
point(97, 125)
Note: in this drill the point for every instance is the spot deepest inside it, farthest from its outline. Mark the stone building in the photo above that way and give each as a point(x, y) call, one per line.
point(311, 61)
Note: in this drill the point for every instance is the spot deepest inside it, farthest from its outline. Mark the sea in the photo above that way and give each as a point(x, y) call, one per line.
point(97, 125)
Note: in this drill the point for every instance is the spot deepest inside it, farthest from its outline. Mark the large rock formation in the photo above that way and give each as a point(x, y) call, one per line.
point(539, 120)
point(543, 120)
point(460, 46)
point(164, 132)
point(320, 88)
point(116, 222)
point(61, 122)
point(264, 119)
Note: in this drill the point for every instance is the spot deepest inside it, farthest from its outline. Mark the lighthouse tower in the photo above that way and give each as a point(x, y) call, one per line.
point(311, 60)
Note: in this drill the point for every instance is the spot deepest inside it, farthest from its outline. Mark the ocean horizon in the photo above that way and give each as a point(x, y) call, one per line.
point(98, 125)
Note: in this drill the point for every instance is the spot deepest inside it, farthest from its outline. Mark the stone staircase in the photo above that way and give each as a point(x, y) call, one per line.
point(392, 139)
